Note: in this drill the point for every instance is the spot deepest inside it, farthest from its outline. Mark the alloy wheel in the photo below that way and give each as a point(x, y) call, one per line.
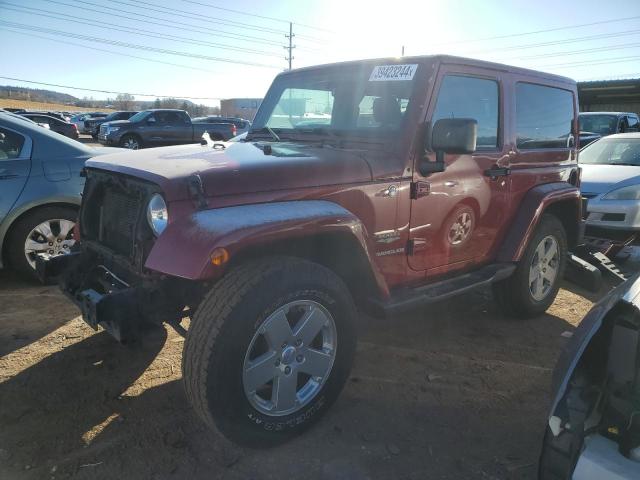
point(460, 229)
point(543, 270)
point(51, 238)
point(290, 357)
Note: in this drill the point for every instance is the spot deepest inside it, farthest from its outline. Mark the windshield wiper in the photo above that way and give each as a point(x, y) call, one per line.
point(268, 130)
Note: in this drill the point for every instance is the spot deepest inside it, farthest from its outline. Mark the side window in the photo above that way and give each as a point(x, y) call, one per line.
point(633, 123)
point(544, 116)
point(173, 118)
point(381, 111)
point(11, 144)
point(470, 97)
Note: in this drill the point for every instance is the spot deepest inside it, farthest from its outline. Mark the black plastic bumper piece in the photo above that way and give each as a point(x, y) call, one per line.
point(105, 300)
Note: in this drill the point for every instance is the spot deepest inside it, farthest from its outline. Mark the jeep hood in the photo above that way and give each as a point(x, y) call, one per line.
point(240, 167)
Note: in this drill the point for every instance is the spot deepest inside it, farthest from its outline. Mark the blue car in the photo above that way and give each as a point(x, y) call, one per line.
point(40, 186)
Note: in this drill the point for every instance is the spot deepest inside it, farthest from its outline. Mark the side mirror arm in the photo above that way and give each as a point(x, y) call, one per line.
point(426, 167)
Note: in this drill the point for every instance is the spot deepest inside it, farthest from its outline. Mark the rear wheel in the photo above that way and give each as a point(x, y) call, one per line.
point(47, 231)
point(269, 349)
point(534, 285)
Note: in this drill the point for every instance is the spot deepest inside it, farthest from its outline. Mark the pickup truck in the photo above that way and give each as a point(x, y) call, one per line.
point(376, 185)
point(156, 128)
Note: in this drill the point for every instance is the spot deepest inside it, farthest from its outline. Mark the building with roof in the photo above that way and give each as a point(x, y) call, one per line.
point(240, 107)
point(610, 96)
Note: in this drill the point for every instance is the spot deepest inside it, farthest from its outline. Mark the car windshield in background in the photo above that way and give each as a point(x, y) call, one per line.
point(138, 117)
point(602, 124)
point(373, 100)
point(612, 151)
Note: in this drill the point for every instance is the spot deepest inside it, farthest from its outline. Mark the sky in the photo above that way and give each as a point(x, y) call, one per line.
point(210, 49)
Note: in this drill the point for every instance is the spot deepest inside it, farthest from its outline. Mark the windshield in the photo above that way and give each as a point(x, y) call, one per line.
point(361, 100)
point(612, 151)
point(602, 124)
point(138, 117)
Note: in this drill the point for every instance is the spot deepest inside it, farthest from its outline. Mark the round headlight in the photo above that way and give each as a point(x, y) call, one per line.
point(157, 214)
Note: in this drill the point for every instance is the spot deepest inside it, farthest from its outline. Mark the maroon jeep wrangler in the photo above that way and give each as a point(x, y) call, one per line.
point(378, 185)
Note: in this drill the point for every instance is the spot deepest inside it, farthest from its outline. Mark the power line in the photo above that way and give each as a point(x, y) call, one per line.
point(576, 52)
point(592, 62)
point(193, 16)
point(117, 43)
point(146, 33)
point(259, 16)
point(173, 24)
point(558, 42)
point(556, 29)
point(93, 49)
point(201, 17)
point(179, 97)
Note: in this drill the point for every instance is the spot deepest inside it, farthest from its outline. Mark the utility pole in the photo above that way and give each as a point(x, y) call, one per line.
point(291, 45)
point(403, 50)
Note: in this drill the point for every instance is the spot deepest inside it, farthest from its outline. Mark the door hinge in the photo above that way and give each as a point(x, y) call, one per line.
point(420, 189)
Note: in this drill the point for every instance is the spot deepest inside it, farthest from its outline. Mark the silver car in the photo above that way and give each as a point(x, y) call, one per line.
point(593, 430)
point(611, 183)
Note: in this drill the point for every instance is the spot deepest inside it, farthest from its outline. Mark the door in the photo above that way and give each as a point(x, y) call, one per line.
point(457, 215)
point(15, 165)
point(152, 129)
point(177, 128)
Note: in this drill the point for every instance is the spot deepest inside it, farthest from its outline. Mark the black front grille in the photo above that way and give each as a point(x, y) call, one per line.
point(119, 216)
point(113, 214)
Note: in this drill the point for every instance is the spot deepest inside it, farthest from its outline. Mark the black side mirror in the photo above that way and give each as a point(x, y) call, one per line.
point(449, 135)
point(151, 120)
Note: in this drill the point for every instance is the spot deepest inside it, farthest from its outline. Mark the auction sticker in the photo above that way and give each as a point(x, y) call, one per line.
point(393, 73)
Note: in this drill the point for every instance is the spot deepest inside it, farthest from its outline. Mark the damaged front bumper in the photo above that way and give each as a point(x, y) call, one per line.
point(121, 302)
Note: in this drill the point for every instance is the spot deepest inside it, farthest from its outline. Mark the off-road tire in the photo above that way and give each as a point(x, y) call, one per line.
point(221, 331)
point(22, 228)
point(513, 294)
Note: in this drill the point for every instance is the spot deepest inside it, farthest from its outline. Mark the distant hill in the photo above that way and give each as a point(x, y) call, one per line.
point(10, 93)
point(36, 95)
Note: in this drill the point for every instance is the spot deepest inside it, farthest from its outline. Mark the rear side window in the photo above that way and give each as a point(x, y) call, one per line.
point(471, 97)
point(544, 116)
point(11, 144)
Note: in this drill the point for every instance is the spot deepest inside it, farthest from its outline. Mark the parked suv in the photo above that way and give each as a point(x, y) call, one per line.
point(92, 124)
point(607, 123)
point(379, 185)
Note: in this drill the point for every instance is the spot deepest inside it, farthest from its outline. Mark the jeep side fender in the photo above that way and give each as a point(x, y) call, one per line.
point(184, 249)
point(534, 204)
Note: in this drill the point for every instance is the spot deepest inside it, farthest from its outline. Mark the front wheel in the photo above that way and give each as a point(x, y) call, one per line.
point(269, 349)
point(534, 285)
point(131, 142)
point(47, 231)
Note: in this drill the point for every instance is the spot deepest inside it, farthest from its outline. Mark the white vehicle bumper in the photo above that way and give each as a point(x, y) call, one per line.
point(613, 214)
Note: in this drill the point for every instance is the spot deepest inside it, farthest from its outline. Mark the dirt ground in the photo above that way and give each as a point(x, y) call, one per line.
point(449, 392)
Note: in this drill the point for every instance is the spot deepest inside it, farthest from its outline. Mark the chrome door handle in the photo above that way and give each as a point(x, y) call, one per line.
point(450, 183)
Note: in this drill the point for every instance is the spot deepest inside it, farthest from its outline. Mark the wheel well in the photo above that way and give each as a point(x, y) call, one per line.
point(135, 135)
point(29, 212)
point(338, 252)
point(567, 213)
